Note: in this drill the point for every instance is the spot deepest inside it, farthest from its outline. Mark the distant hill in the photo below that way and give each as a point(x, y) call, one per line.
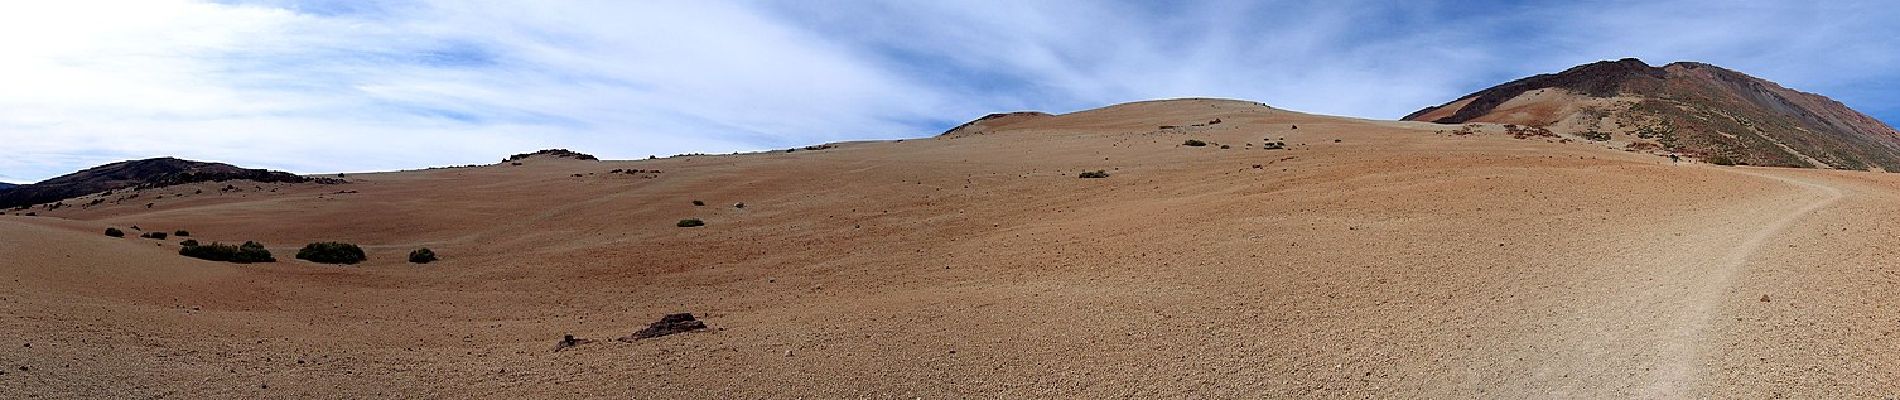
point(5, 186)
point(154, 172)
point(551, 153)
point(1702, 110)
point(993, 121)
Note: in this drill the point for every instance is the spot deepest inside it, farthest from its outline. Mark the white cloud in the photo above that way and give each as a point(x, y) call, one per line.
point(422, 84)
point(370, 85)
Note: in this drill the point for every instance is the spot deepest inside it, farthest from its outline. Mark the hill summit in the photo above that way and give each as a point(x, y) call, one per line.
point(1697, 109)
point(151, 172)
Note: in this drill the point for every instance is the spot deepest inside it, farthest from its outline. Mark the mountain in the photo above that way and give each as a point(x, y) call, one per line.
point(154, 172)
point(5, 186)
point(1696, 109)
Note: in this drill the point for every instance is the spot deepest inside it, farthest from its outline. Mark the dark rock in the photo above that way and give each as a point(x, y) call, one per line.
point(668, 325)
point(569, 341)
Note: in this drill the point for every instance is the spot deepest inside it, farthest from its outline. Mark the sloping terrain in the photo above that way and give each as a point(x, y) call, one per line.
point(1701, 110)
point(147, 173)
point(1368, 259)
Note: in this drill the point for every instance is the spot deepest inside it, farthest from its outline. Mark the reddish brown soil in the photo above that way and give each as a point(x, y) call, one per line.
point(1371, 259)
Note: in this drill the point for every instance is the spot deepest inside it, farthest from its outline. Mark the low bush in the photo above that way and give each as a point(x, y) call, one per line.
point(332, 253)
point(115, 232)
point(1194, 142)
point(697, 203)
point(246, 253)
point(154, 235)
point(1096, 174)
point(422, 256)
point(181, 233)
point(690, 222)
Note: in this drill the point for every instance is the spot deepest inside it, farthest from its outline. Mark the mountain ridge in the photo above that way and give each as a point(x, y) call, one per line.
point(1698, 109)
point(145, 173)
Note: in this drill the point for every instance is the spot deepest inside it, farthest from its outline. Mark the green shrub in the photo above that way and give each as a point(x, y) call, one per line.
point(181, 233)
point(154, 235)
point(697, 203)
point(246, 253)
point(332, 253)
point(690, 222)
point(422, 256)
point(1194, 142)
point(1095, 174)
point(114, 232)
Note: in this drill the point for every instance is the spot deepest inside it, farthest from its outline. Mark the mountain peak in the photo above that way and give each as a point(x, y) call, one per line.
point(1694, 108)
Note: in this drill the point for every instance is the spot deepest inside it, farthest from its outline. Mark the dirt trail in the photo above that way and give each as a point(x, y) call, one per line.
point(1636, 320)
point(1683, 359)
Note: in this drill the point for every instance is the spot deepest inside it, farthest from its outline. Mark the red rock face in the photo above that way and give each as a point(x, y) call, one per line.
point(1706, 111)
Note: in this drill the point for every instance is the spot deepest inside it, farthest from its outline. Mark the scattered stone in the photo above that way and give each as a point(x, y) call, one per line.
point(668, 325)
point(1764, 298)
point(568, 341)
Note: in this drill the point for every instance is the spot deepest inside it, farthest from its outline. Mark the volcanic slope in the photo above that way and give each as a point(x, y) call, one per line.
point(1697, 109)
point(1369, 259)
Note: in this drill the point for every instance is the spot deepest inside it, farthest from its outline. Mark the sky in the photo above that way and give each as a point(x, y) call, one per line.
point(369, 85)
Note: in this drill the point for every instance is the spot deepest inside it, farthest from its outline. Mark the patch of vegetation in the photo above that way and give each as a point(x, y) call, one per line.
point(155, 235)
point(115, 232)
point(332, 253)
point(188, 243)
point(1194, 142)
point(181, 233)
point(1096, 174)
point(1599, 136)
point(246, 253)
point(690, 222)
point(697, 203)
point(422, 256)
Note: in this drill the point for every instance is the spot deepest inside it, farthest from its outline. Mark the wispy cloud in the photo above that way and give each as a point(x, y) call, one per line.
point(318, 86)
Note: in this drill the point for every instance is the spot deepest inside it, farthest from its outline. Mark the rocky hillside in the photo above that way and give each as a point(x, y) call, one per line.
point(1701, 110)
point(994, 121)
point(154, 172)
point(551, 153)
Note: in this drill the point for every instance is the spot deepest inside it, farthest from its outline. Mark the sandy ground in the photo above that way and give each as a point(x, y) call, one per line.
point(1371, 259)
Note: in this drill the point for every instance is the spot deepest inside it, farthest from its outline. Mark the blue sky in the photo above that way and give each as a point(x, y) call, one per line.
point(342, 86)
